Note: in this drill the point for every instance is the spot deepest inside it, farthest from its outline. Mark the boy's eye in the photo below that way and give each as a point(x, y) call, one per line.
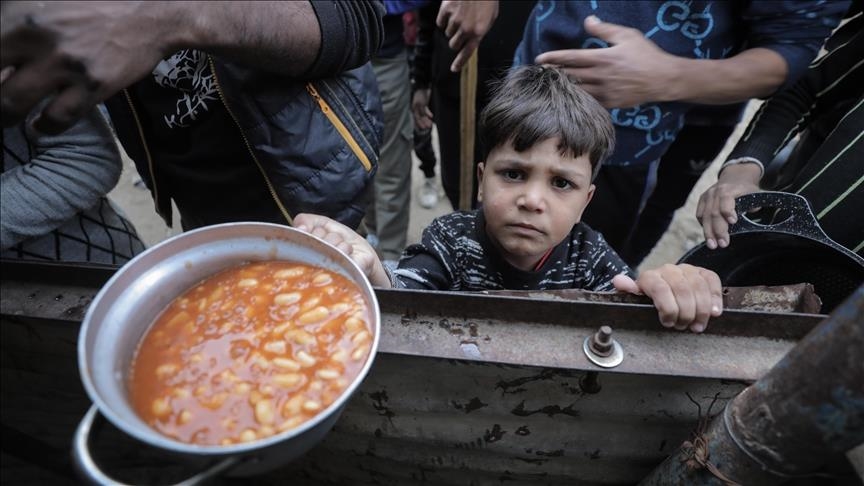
point(562, 183)
point(512, 174)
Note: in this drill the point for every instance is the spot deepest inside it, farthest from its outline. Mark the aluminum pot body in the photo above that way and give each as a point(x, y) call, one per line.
point(128, 304)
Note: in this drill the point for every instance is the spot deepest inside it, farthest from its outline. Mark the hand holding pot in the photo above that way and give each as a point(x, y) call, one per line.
point(716, 208)
point(685, 296)
point(347, 241)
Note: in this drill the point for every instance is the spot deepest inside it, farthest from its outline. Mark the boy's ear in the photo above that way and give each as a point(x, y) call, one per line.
point(480, 167)
point(587, 200)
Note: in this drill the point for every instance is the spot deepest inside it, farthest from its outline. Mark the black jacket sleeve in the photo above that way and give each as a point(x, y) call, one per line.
point(421, 70)
point(351, 33)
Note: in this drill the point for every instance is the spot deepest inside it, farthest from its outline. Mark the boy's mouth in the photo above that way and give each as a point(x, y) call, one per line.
point(525, 227)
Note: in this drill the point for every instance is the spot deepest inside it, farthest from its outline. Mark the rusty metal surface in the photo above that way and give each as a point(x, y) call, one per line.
point(804, 411)
point(783, 298)
point(467, 389)
point(740, 345)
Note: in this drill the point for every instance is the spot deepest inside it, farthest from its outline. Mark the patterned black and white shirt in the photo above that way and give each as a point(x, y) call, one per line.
point(455, 254)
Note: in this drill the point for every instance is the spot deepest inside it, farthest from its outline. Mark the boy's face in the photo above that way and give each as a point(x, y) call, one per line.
point(531, 200)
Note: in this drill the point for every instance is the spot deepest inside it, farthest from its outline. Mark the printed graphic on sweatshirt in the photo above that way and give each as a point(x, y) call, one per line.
point(187, 71)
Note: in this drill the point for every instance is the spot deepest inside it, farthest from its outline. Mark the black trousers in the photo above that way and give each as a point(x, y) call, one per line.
point(631, 212)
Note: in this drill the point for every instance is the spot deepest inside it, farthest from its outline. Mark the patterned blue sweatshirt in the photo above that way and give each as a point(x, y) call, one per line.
point(694, 29)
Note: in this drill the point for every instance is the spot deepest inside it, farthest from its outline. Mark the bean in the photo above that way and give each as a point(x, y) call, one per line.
point(185, 417)
point(290, 272)
point(291, 423)
point(293, 406)
point(196, 358)
point(181, 393)
point(305, 359)
point(311, 405)
point(327, 374)
point(286, 364)
point(354, 324)
point(322, 279)
point(276, 347)
point(315, 315)
point(287, 299)
point(361, 337)
point(264, 412)
point(340, 307)
point(228, 423)
point(340, 356)
point(247, 282)
point(287, 380)
point(266, 431)
point(300, 336)
point(242, 388)
point(248, 435)
point(310, 303)
point(166, 370)
point(360, 352)
point(161, 407)
point(226, 441)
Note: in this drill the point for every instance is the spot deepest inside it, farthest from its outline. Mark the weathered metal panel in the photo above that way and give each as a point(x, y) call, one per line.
point(467, 389)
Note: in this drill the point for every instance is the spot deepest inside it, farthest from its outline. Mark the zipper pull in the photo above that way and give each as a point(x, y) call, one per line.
point(314, 93)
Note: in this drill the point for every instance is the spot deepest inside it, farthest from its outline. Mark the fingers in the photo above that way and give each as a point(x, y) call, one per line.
point(463, 55)
point(686, 297)
point(571, 58)
point(25, 87)
point(65, 109)
point(623, 283)
point(654, 285)
point(611, 33)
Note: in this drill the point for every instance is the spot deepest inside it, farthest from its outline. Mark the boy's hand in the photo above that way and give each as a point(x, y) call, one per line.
point(685, 296)
point(716, 208)
point(346, 240)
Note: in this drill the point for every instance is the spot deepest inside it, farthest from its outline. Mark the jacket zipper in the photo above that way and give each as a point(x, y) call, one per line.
point(270, 187)
point(340, 127)
point(349, 94)
point(146, 153)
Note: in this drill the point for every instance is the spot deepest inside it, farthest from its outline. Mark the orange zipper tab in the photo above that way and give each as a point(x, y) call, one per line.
point(340, 127)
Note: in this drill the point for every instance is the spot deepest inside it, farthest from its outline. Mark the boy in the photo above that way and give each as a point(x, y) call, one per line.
point(547, 140)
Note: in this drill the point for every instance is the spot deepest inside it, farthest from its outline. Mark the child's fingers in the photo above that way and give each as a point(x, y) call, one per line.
point(623, 283)
point(702, 299)
point(656, 287)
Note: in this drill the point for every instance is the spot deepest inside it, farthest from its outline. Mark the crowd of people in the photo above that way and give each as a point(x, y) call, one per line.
point(306, 114)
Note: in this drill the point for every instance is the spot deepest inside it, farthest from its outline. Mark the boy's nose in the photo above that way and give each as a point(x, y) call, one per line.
point(532, 199)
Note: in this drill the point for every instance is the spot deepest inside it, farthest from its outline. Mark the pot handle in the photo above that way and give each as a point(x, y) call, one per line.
point(88, 468)
point(801, 220)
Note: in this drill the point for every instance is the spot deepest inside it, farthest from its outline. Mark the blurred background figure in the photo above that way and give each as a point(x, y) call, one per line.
point(53, 195)
point(436, 87)
point(826, 107)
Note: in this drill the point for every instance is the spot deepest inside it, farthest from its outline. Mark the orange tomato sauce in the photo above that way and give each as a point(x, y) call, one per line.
point(250, 352)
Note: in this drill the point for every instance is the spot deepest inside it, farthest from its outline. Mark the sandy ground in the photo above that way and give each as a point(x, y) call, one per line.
point(683, 234)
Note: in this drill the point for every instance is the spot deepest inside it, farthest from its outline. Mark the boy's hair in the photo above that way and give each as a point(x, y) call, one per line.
point(535, 103)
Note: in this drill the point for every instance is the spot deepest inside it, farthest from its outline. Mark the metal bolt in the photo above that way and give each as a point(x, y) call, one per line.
point(590, 382)
point(601, 342)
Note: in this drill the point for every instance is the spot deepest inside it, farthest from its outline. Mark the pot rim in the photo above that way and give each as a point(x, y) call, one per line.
point(152, 437)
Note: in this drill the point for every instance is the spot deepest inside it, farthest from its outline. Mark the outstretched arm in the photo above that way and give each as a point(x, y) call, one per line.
point(685, 296)
point(634, 70)
point(83, 52)
point(348, 241)
point(65, 175)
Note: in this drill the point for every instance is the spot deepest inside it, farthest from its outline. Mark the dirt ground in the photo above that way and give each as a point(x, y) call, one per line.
point(683, 234)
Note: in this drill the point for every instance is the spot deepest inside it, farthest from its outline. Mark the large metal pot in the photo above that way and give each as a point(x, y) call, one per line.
point(128, 304)
point(790, 250)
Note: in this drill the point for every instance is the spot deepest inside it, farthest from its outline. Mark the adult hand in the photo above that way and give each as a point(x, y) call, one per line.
point(465, 23)
point(79, 53)
point(630, 72)
point(346, 240)
point(420, 109)
point(716, 208)
point(685, 296)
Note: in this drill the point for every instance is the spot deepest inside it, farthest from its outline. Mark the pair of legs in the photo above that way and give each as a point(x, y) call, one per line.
point(387, 214)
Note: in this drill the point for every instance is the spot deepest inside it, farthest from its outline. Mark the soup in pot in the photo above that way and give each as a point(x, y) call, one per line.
point(250, 352)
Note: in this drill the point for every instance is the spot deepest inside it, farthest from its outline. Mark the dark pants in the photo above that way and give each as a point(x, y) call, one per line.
point(632, 227)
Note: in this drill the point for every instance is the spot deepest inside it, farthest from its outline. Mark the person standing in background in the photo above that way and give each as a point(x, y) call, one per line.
point(388, 214)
